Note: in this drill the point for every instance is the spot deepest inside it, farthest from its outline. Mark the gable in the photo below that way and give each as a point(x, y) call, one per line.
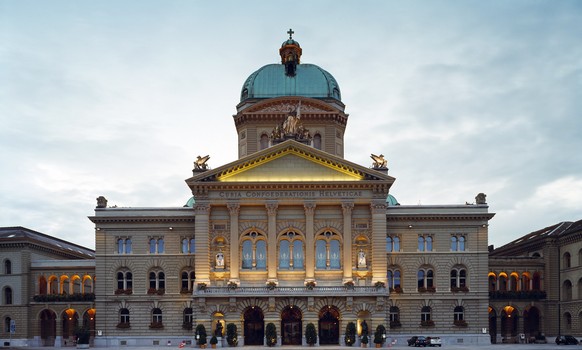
point(292, 167)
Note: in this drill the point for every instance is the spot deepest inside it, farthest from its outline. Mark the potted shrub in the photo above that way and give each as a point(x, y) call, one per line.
point(350, 337)
point(379, 335)
point(310, 285)
point(380, 285)
point(364, 337)
point(271, 285)
point(201, 334)
point(213, 342)
point(349, 285)
point(231, 334)
point(310, 334)
point(201, 286)
point(271, 334)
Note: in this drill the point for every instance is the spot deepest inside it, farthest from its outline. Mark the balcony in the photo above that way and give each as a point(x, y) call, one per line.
point(523, 294)
point(291, 291)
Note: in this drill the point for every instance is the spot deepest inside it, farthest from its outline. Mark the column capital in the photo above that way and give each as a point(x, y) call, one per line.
point(309, 208)
point(233, 208)
point(202, 209)
point(271, 207)
point(378, 208)
point(347, 207)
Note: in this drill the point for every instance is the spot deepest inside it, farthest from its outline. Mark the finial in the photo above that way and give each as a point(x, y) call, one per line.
point(290, 32)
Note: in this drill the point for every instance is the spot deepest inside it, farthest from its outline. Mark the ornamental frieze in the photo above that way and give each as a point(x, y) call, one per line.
point(288, 106)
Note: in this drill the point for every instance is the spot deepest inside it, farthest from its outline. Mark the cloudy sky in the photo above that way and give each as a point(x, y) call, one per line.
point(117, 98)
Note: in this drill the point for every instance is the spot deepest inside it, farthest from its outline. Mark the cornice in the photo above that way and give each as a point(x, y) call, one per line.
point(109, 219)
point(427, 217)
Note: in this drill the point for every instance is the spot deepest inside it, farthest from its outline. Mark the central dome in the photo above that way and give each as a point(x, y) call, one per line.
point(290, 78)
point(272, 80)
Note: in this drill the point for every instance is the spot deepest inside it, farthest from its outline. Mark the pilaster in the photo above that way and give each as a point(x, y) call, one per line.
point(234, 210)
point(309, 208)
point(347, 208)
point(379, 260)
point(271, 207)
point(201, 232)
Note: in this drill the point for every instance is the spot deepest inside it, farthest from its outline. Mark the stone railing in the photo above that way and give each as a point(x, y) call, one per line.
point(529, 294)
point(291, 291)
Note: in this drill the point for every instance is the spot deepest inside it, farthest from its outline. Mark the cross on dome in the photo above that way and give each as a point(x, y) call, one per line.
point(290, 32)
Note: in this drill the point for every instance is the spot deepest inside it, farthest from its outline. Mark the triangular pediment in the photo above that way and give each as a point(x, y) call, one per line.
point(290, 161)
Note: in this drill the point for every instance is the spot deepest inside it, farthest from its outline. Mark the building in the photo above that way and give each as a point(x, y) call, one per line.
point(47, 288)
point(535, 285)
point(291, 233)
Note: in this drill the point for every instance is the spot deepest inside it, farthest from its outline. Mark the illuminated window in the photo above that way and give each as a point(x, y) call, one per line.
point(254, 251)
point(327, 251)
point(291, 251)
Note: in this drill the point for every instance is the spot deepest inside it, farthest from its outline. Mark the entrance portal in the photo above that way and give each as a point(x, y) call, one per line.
point(48, 327)
point(291, 327)
point(254, 326)
point(329, 326)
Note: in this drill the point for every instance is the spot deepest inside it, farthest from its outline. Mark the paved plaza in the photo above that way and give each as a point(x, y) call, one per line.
point(548, 346)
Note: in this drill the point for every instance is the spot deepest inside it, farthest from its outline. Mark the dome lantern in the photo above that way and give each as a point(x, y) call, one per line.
point(290, 53)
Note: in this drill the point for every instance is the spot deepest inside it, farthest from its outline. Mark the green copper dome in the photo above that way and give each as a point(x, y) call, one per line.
point(272, 81)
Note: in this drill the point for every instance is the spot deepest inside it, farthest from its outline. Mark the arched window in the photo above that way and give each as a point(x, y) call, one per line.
point(157, 316)
point(392, 244)
point(124, 317)
point(537, 281)
point(580, 257)
point(458, 314)
point(317, 141)
point(459, 279)
point(425, 314)
point(7, 296)
point(124, 282)
point(123, 245)
point(53, 285)
point(7, 267)
point(513, 282)
point(88, 284)
point(525, 281)
point(567, 321)
point(566, 261)
point(580, 291)
point(394, 317)
point(502, 282)
point(567, 291)
point(426, 280)
point(187, 318)
point(76, 284)
point(188, 245)
point(254, 251)
point(458, 243)
point(291, 251)
point(425, 243)
point(327, 251)
point(264, 141)
point(157, 282)
point(394, 277)
point(492, 282)
point(188, 278)
point(7, 324)
point(156, 245)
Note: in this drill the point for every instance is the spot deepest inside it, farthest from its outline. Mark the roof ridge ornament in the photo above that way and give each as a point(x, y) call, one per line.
point(290, 32)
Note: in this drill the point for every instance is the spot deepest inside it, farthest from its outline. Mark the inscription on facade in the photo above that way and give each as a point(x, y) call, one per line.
point(290, 194)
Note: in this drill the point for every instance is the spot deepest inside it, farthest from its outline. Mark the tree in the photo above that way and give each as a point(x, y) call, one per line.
point(231, 334)
point(350, 337)
point(271, 334)
point(310, 334)
point(201, 332)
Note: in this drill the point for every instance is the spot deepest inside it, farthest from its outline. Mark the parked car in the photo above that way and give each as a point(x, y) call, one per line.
point(434, 341)
point(412, 340)
point(421, 341)
point(566, 340)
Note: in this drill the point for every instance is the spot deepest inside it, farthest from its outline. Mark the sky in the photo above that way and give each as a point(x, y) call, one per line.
point(117, 98)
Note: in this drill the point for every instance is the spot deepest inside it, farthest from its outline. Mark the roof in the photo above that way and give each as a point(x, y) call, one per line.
point(23, 234)
point(309, 81)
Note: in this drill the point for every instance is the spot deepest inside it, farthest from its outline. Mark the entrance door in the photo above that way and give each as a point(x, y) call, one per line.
point(329, 326)
point(254, 327)
point(48, 327)
point(291, 327)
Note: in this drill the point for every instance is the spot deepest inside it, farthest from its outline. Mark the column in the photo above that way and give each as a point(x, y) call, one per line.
point(309, 208)
point(347, 208)
point(202, 235)
point(379, 260)
point(272, 240)
point(234, 209)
